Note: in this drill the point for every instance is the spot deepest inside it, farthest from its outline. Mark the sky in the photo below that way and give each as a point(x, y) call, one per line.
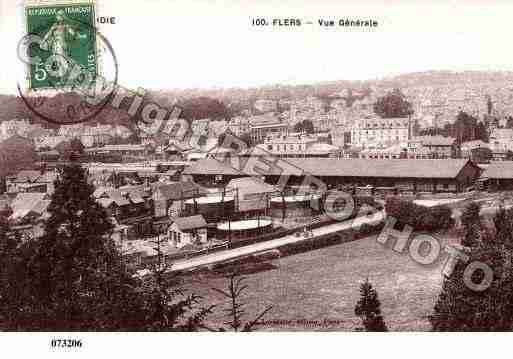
point(166, 44)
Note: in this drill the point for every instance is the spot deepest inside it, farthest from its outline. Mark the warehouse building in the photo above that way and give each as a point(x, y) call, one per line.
point(448, 175)
point(498, 175)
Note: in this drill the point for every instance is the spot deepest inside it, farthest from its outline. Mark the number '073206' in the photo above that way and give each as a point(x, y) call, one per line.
point(66, 343)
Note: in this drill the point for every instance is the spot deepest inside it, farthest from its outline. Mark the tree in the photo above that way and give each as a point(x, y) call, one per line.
point(368, 309)
point(471, 222)
point(199, 108)
point(419, 217)
point(482, 132)
point(74, 278)
point(235, 311)
point(76, 146)
point(467, 128)
point(393, 104)
point(68, 148)
point(79, 282)
point(489, 104)
point(246, 138)
point(481, 155)
point(462, 308)
point(10, 270)
point(503, 223)
point(304, 126)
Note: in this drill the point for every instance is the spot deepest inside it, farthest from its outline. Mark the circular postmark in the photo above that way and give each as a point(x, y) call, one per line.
point(63, 52)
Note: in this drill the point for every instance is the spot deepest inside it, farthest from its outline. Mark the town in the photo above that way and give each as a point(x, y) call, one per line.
point(435, 146)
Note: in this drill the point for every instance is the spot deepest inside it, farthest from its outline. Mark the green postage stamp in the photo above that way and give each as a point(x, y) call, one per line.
point(65, 37)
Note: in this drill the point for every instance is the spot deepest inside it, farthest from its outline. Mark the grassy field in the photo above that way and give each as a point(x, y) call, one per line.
point(322, 287)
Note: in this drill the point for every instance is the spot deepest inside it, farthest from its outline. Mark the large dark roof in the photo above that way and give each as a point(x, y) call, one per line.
point(325, 167)
point(210, 166)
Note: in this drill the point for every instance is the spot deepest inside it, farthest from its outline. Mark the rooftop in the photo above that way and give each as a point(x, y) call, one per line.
point(179, 190)
point(26, 203)
point(190, 223)
point(395, 168)
point(499, 170)
point(251, 185)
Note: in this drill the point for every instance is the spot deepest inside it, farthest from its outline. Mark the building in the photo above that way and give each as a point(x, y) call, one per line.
point(213, 207)
point(297, 145)
point(264, 105)
point(188, 230)
point(169, 199)
point(298, 206)
point(128, 205)
point(13, 127)
point(448, 175)
point(118, 151)
point(238, 125)
point(497, 176)
point(243, 230)
point(252, 195)
point(259, 132)
point(102, 178)
point(393, 152)
point(421, 147)
point(381, 132)
point(466, 148)
point(29, 213)
point(48, 140)
point(263, 126)
point(501, 139)
point(435, 146)
point(31, 181)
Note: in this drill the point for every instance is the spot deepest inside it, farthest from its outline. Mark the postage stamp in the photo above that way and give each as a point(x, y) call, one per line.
point(66, 38)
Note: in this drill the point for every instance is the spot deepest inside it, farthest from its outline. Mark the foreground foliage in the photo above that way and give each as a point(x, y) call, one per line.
point(73, 278)
point(368, 309)
point(461, 307)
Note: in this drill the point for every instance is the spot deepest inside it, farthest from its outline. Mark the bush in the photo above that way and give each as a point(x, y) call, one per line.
point(419, 217)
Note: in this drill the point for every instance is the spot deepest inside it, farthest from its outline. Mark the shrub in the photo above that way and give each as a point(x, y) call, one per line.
point(419, 217)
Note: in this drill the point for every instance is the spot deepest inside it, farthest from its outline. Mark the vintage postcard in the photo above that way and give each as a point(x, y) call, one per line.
point(255, 166)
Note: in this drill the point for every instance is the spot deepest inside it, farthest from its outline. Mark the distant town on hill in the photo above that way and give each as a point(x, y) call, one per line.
point(423, 89)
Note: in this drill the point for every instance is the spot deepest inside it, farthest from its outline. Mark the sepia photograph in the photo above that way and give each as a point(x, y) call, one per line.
point(307, 171)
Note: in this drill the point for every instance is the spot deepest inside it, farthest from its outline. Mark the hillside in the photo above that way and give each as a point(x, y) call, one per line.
point(226, 103)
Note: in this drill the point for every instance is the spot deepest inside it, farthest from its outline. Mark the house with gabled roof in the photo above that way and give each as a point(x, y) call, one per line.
point(188, 231)
point(31, 181)
point(29, 213)
point(128, 205)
